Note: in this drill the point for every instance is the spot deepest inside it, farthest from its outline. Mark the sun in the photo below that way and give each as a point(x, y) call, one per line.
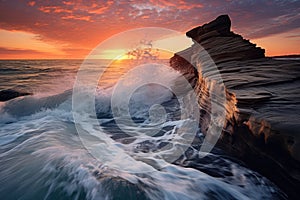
point(121, 57)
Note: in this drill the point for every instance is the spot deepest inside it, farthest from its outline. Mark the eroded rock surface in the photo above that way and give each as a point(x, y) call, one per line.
point(263, 100)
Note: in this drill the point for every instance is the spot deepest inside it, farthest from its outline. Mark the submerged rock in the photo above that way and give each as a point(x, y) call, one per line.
point(263, 100)
point(9, 94)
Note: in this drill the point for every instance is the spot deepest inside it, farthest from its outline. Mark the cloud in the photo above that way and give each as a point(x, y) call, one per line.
point(293, 36)
point(31, 3)
point(54, 9)
point(277, 25)
point(83, 18)
point(257, 19)
point(84, 24)
point(24, 54)
point(4, 50)
point(179, 5)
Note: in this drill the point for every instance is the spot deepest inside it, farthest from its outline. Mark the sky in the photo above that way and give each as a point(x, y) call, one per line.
point(35, 29)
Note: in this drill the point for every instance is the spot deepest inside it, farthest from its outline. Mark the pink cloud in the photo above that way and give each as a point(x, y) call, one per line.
point(54, 9)
point(31, 3)
point(86, 23)
point(181, 5)
point(83, 18)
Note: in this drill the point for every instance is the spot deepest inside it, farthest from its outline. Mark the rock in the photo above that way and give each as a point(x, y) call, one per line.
point(9, 94)
point(220, 26)
point(188, 71)
point(222, 44)
point(262, 100)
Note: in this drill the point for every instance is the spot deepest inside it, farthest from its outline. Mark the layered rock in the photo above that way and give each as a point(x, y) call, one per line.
point(262, 100)
point(222, 44)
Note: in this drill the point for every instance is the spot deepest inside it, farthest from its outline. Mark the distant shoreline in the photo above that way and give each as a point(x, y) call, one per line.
point(286, 56)
point(22, 59)
point(297, 56)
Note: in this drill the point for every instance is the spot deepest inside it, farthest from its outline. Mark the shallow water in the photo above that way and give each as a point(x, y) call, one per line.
point(42, 155)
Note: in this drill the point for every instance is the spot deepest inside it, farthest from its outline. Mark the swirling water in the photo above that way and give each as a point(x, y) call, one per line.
point(42, 155)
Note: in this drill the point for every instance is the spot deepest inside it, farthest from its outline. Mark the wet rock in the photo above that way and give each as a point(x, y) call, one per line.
point(9, 94)
point(262, 100)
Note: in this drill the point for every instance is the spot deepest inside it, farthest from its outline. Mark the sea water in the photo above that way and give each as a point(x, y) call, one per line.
point(42, 155)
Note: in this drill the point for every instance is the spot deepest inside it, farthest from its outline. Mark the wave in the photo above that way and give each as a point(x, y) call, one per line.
point(42, 156)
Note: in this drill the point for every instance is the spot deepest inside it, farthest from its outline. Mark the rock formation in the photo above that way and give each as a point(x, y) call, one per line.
point(9, 94)
point(262, 100)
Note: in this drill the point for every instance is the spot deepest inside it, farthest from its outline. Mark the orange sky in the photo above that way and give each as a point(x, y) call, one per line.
point(38, 29)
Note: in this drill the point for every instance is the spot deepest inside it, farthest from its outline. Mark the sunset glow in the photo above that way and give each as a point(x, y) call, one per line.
point(71, 29)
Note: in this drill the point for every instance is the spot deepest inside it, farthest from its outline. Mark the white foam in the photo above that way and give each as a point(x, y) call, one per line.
point(42, 142)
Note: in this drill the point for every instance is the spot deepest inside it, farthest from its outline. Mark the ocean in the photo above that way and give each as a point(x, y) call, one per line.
point(45, 153)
